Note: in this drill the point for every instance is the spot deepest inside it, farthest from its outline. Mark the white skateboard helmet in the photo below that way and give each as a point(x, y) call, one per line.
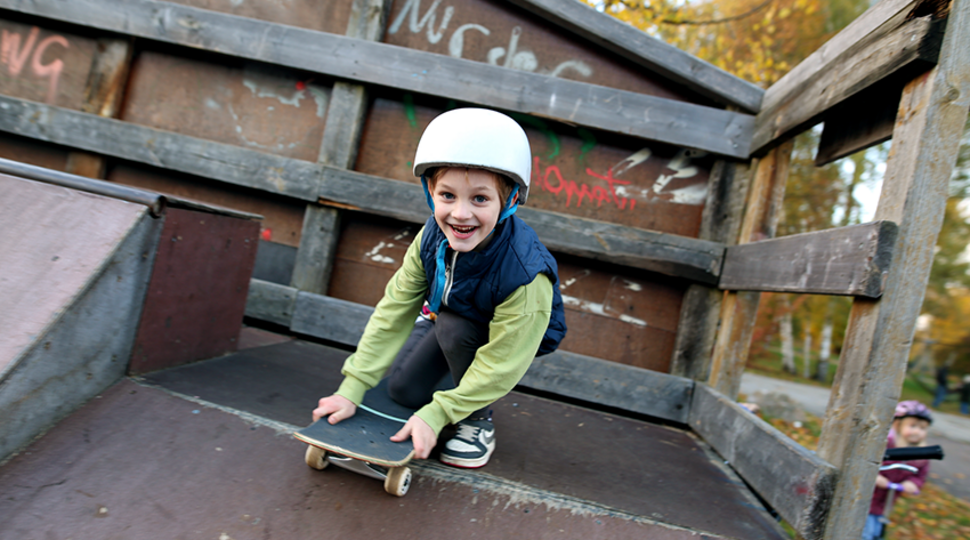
point(477, 138)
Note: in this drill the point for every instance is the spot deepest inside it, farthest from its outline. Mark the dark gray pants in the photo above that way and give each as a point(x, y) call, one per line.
point(436, 357)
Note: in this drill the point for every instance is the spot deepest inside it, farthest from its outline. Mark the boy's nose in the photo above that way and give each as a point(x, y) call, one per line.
point(462, 210)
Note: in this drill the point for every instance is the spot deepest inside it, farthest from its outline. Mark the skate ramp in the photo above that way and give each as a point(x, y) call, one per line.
point(75, 268)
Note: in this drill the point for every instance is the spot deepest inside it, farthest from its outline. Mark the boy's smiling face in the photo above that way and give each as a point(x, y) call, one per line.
point(467, 205)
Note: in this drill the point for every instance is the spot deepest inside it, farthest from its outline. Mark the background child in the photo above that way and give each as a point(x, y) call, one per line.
point(490, 288)
point(910, 427)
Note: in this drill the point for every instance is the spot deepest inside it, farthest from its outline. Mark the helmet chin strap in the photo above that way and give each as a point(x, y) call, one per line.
point(511, 206)
point(427, 193)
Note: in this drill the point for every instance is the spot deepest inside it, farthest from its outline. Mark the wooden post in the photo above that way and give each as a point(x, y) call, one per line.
point(341, 137)
point(701, 307)
point(103, 94)
point(867, 385)
point(739, 309)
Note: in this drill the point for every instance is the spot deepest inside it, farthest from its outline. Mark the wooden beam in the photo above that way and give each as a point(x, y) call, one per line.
point(911, 48)
point(794, 481)
point(649, 52)
point(739, 309)
point(701, 308)
point(881, 17)
point(866, 119)
point(564, 373)
point(669, 254)
point(103, 94)
point(341, 138)
point(163, 149)
point(611, 384)
point(847, 261)
point(929, 125)
point(665, 120)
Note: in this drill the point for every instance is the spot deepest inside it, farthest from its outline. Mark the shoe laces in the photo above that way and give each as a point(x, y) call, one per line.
point(467, 432)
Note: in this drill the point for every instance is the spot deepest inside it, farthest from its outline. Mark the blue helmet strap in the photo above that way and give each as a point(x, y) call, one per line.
point(510, 207)
point(438, 289)
point(427, 192)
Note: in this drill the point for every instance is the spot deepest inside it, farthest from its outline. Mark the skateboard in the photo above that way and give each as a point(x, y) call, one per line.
point(362, 442)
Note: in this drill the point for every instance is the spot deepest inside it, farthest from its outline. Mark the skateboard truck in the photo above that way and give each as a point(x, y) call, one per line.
point(397, 480)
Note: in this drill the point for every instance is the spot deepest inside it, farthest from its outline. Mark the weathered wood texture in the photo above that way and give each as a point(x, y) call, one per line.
point(684, 124)
point(664, 253)
point(614, 385)
point(564, 373)
point(866, 119)
point(341, 137)
point(739, 309)
point(102, 96)
point(701, 309)
point(848, 261)
point(881, 17)
point(795, 482)
point(909, 48)
point(930, 120)
point(649, 52)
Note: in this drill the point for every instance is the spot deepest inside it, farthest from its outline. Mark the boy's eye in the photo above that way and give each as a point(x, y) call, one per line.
point(446, 195)
point(481, 199)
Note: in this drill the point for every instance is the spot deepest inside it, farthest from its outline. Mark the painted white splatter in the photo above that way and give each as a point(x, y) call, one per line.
point(632, 285)
point(375, 255)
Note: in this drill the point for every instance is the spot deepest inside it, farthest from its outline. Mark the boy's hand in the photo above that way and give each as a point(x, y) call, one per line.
point(882, 482)
point(336, 407)
point(421, 434)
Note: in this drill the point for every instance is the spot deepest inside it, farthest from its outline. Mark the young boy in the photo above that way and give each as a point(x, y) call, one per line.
point(491, 291)
point(911, 424)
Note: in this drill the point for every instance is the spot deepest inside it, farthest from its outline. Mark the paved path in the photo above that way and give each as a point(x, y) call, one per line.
point(950, 431)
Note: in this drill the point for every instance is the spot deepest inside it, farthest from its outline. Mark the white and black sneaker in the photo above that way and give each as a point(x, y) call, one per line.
point(471, 447)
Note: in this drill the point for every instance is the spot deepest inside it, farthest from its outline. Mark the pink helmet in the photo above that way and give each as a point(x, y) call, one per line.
point(913, 408)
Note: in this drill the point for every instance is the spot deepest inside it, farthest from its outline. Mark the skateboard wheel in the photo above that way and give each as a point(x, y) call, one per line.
point(316, 457)
point(398, 481)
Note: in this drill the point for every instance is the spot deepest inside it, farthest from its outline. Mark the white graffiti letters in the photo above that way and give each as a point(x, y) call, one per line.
point(511, 55)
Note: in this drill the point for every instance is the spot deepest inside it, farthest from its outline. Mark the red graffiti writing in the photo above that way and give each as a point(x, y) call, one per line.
point(597, 193)
point(14, 52)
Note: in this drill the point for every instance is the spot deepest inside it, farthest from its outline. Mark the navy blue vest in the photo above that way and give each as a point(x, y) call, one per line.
point(484, 279)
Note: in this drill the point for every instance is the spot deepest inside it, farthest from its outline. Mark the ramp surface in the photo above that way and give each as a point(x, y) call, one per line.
point(547, 451)
point(54, 243)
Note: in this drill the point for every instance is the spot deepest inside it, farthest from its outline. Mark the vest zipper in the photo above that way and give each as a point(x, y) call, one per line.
point(449, 278)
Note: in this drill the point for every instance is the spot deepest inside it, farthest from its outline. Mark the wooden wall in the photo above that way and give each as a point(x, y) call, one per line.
point(619, 313)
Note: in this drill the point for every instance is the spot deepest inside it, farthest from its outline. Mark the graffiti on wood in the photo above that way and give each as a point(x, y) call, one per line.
point(27, 55)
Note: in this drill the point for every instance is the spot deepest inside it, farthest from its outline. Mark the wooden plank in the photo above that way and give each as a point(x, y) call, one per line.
point(930, 122)
point(611, 384)
point(847, 261)
point(341, 138)
point(866, 119)
point(164, 149)
point(649, 52)
point(701, 308)
point(675, 122)
point(271, 302)
point(668, 254)
point(330, 318)
point(102, 96)
point(689, 258)
point(794, 481)
point(907, 49)
point(739, 309)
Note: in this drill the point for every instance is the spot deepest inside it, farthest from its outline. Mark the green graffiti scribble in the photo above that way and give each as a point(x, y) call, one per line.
point(589, 142)
point(542, 127)
point(409, 110)
point(452, 104)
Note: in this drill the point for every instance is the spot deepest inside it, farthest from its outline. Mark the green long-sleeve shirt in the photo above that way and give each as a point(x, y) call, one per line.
point(515, 332)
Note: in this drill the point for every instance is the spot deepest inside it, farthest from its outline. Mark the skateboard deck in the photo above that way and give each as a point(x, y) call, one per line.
point(366, 435)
